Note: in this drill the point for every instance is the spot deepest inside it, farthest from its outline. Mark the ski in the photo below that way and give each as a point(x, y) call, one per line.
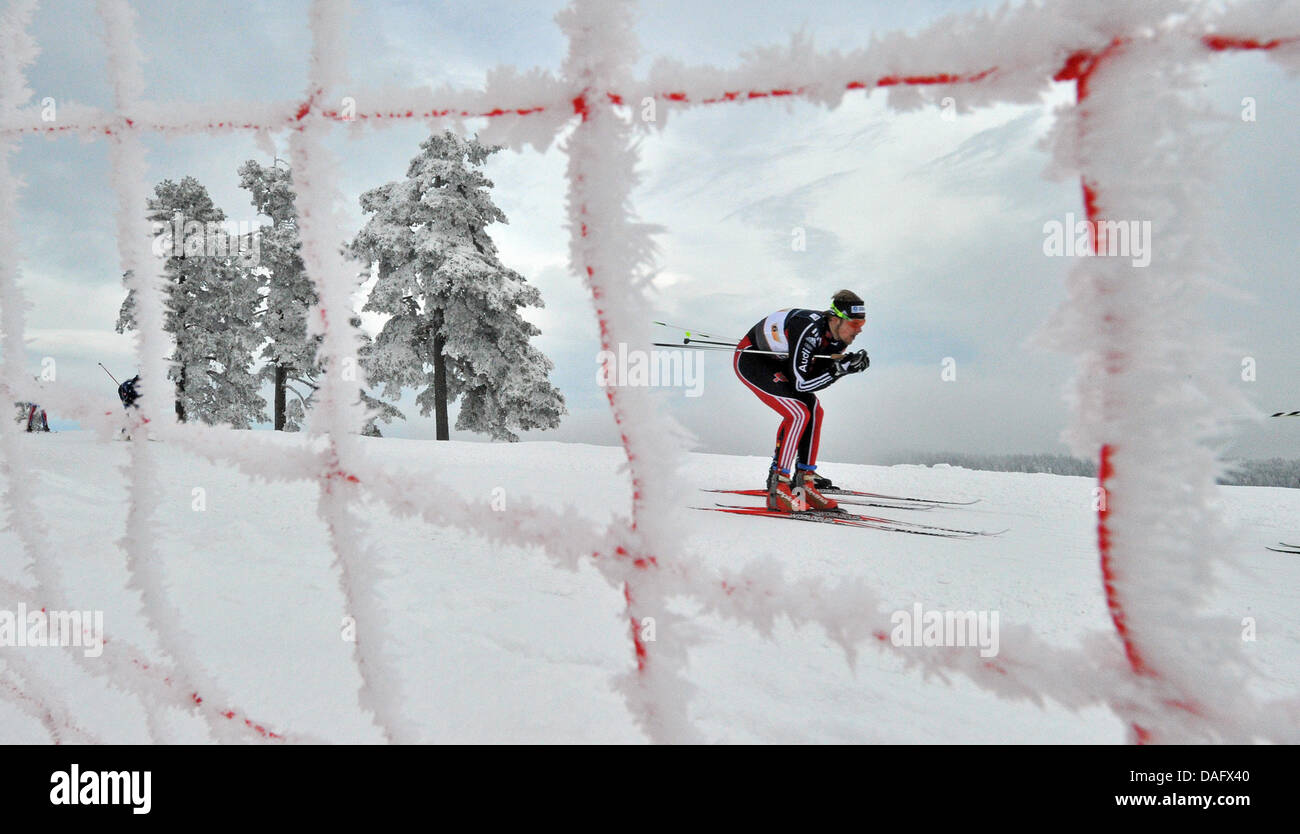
point(1288, 544)
point(846, 520)
point(1282, 547)
point(880, 503)
point(837, 491)
point(867, 519)
point(841, 491)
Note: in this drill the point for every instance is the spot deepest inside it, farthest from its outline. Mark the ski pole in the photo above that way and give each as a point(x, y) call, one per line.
point(688, 333)
point(749, 350)
point(688, 341)
point(693, 347)
point(110, 376)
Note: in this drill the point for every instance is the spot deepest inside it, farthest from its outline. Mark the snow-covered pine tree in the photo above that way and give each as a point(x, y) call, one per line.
point(378, 410)
point(211, 299)
point(289, 352)
point(455, 327)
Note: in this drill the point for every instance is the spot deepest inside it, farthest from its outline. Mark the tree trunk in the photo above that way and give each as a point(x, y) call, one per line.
point(180, 393)
point(281, 375)
point(439, 379)
point(180, 333)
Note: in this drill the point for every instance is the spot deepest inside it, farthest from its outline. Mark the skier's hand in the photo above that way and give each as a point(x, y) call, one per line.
point(852, 363)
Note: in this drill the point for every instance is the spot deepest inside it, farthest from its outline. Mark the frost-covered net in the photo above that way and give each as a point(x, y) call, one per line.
point(1169, 672)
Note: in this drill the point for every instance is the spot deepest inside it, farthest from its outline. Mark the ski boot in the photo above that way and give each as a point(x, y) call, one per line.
point(779, 495)
point(807, 479)
point(818, 481)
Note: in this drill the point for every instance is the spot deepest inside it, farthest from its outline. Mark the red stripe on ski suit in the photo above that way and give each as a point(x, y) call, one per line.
point(794, 415)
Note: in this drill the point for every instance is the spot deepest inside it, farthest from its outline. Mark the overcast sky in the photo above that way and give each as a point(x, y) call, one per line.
point(937, 223)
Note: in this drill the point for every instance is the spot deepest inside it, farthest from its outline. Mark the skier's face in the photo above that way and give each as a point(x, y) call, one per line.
point(846, 330)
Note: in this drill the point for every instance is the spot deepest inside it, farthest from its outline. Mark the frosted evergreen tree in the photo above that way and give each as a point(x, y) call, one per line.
point(455, 329)
point(212, 300)
point(378, 410)
point(289, 352)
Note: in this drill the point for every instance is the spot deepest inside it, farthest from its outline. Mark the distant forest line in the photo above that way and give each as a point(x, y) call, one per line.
point(1275, 472)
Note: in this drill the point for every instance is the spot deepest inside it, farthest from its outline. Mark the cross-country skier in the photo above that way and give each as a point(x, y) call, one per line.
point(34, 415)
point(37, 420)
point(785, 378)
point(127, 394)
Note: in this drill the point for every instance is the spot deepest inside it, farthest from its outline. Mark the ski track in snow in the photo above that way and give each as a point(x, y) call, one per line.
point(499, 645)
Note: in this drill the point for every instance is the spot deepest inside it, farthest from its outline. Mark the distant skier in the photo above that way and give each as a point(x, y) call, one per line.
point(127, 394)
point(34, 416)
point(785, 380)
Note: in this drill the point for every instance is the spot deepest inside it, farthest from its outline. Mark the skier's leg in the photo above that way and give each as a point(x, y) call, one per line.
point(821, 481)
point(795, 417)
point(772, 471)
point(808, 456)
point(780, 441)
point(807, 443)
point(780, 483)
point(806, 468)
point(804, 477)
point(808, 450)
point(794, 414)
point(758, 377)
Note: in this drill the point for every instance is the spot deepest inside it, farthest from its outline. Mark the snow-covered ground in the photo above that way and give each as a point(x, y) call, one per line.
point(498, 645)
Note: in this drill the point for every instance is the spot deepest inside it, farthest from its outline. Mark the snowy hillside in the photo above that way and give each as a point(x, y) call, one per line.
point(498, 645)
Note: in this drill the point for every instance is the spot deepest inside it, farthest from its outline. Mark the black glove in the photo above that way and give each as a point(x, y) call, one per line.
point(851, 363)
